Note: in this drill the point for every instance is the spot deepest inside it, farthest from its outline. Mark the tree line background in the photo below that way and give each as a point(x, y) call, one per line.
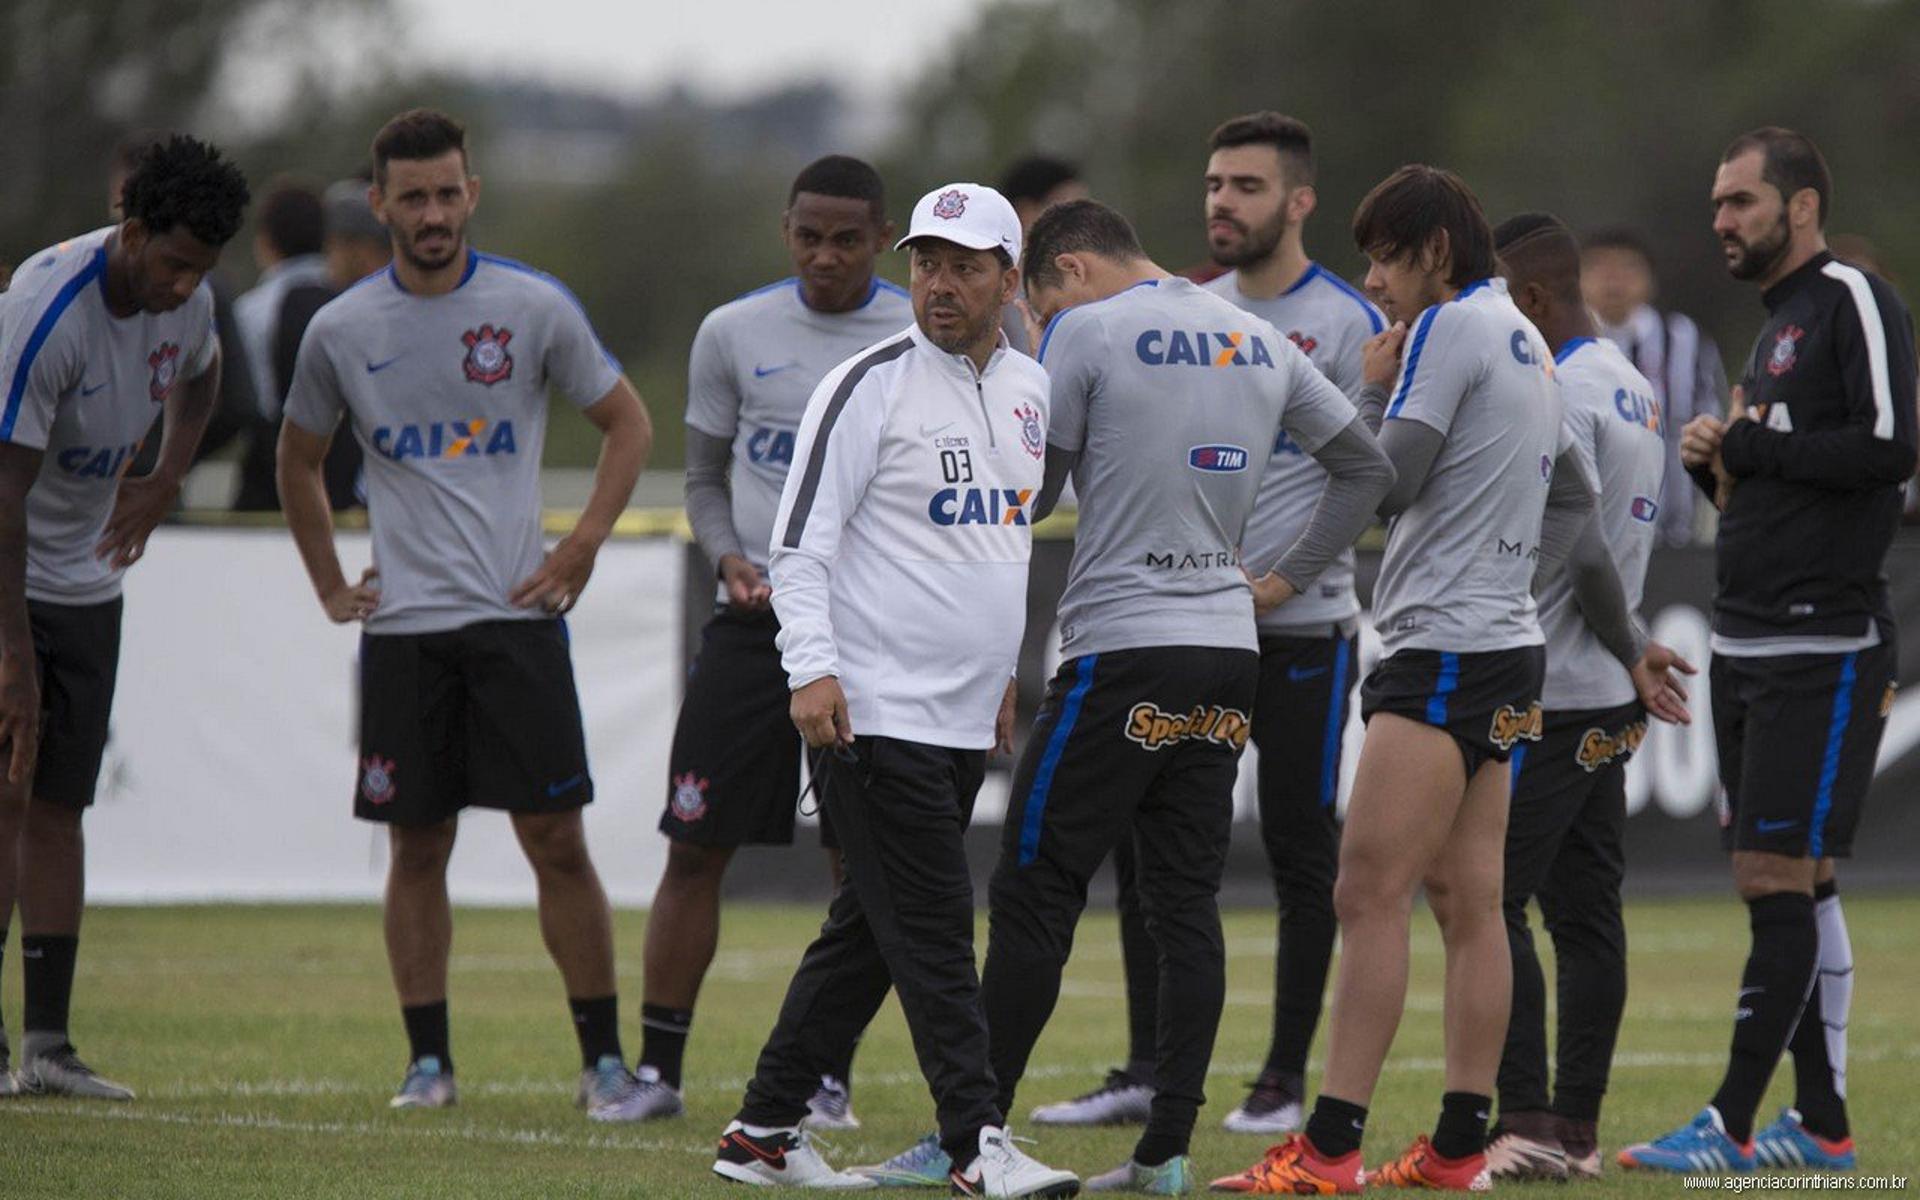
point(654, 211)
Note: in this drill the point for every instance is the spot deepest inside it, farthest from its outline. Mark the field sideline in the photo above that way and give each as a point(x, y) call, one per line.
point(264, 1041)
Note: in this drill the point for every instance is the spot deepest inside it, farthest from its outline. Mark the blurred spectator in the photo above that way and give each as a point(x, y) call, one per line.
point(1032, 185)
point(357, 243)
point(287, 247)
point(1862, 253)
point(236, 405)
point(1674, 353)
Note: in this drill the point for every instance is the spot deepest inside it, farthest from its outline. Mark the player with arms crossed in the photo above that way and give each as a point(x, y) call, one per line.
point(1472, 422)
point(1807, 471)
point(95, 335)
point(442, 363)
point(1569, 810)
point(735, 765)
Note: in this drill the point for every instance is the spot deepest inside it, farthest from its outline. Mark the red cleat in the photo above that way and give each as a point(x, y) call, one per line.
point(1421, 1167)
point(1295, 1168)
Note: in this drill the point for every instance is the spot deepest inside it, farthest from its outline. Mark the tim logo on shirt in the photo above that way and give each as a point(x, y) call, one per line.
point(475, 438)
point(1199, 348)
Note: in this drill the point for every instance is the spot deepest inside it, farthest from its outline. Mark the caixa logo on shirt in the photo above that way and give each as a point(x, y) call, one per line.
point(1178, 347)
point(774, 447)
point(95, 462)
point(979, 506)
point(475, 438)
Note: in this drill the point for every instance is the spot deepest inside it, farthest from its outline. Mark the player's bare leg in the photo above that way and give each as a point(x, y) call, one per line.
point(575, 920)
point(1464, 890)
point(419, 932)
point(683, 926)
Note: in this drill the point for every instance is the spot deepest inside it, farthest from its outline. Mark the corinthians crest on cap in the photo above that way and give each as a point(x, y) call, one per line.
point(950, 204)
point(487, 359)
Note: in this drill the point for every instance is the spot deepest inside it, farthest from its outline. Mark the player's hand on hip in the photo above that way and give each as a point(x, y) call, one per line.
point(354, 601)
point(142, 502)
point(1657, 677)
point(1380, 357)
point(557, 585)
point(747, 589)
point(1003, 722)
point(20, 715)
point(1269, 592)
point(820, 714)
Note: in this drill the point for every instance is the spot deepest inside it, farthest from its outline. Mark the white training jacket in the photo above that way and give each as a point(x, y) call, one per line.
point(899, 556)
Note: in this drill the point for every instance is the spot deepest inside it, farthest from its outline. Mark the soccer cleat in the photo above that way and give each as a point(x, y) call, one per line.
point(1419, 1166)
point(1514, 1155)
point(647, 1098)
point(426, 1086)
point(1173, 1177)
point(59, 1072)
point(1274, 1106)
point(1002, 1169)
point(1121, 1100)
point(1295, 1168)
point(779, 1158)
point(9, 1082)
point(1581, 1140)
point(1698, 1147)
point(1789, 1143)
point(1584, 1166)
point(831, 1106)
point(923, 1164)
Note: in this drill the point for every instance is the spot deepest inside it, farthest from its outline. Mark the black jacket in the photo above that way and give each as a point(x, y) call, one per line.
point(1830, 386)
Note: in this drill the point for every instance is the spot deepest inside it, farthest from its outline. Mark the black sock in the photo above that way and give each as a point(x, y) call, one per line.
point(427, 1033)
point(663, 1039)
point(47, 966)
point(1336, 1126)
point(1156, 1148)
point(1773, 989)
point(1822, 1109)
point(597, 1022)
point(1462, 1129)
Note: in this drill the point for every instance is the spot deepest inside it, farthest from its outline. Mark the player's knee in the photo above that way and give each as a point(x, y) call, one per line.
point(51, 827)
point(1362, 891)
point(556, 845)
point(422, 850)
point(694, 868)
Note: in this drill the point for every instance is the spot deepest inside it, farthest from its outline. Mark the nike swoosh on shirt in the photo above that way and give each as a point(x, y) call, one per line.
point(88, 391)
point(925, 432)
point(1297, 675)
point(381, 366)
point(565, 785)
point(760, 372)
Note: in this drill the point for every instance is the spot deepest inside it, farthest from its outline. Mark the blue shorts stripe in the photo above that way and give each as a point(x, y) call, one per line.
point(1830, 765)
point(1443, 687)
point(1518, 762)
point(1336, 709)
point(1056, 746)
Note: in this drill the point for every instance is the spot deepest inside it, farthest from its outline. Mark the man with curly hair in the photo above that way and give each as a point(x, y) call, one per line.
point(97, 334)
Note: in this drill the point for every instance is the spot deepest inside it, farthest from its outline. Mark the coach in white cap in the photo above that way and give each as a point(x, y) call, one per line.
point(899, 565)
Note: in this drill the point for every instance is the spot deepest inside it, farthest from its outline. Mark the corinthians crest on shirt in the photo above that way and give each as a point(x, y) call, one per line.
point(1786, 350)
point(1032, 436)
point(164, 363)
point(487, 359)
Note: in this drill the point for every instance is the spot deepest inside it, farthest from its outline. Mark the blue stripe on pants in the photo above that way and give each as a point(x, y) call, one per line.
point(1056, 746)
point(1330, 749)
point(1830, 765)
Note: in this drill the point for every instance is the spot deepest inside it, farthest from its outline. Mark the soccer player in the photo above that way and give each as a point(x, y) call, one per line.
point(443, 364)
point(1165, 402)
point(1472, 423)
point(1569, 809)
point(899, 566)
point(1259, 194)
point(1807, 471)
point(1033, 184)
point(734, 772)
point(96, 334)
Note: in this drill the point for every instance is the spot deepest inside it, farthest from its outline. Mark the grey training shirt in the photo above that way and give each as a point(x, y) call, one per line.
point(1330, 321)
point(1173, 398)
point(448, 397)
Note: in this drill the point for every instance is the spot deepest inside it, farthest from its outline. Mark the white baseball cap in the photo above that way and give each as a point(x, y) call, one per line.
point(968, 214)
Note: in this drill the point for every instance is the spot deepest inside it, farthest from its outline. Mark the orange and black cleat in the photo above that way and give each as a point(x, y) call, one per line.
point(1295, 1168)
point(1423, 1167)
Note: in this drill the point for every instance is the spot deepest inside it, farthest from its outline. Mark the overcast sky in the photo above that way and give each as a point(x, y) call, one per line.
point(721, 48)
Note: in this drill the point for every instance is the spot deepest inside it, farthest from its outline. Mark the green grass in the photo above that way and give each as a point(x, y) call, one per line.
point(264, 1043)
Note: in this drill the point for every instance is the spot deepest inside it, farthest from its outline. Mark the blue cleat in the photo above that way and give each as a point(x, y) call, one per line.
point(1788, 1143)
point(1173, 1177)
point(923, 1164)
point(427, 1085)
point(1701, 1147)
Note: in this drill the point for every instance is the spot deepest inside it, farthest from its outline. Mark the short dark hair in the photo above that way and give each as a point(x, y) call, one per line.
point(185, 181)
point(1289, 137)
point(1619, 237)
point(1034, 177)
point(1789, 161)
point(127, 151)
point(1538, 247)
point(1076, 227)
point(840, 175)
point(293, 218)
point(1405, 210)
point(418, 133)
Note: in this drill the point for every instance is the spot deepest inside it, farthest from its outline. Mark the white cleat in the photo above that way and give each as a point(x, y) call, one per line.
point(779, 1158)
point(59, 1072)
point(1273, 1106)
point(1121, 1100)
point(1517, 1157)
point(644, 1097)
point(426, 1086)
point(1003, 1170)
point(831, 1106)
